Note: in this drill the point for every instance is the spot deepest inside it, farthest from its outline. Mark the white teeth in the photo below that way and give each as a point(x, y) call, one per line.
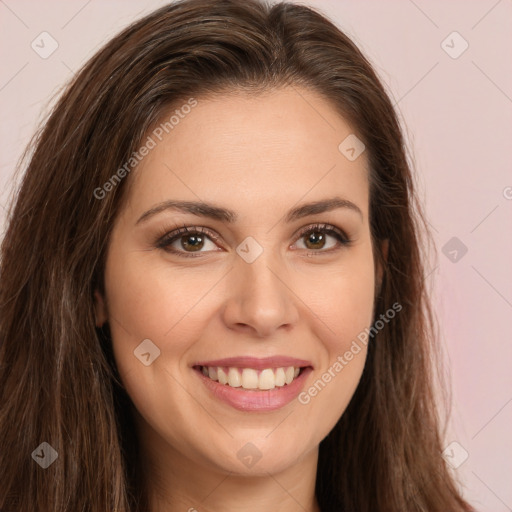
point(221, 375)
point(267, 379)
point(289, 374)
point(280, 377)
point(249, 378)
point(234, 378)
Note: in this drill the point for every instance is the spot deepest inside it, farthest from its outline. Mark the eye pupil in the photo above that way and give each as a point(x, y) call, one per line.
point(197, 242)
point(315, 237)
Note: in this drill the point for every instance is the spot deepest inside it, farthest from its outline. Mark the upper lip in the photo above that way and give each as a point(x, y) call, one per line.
point(256, 363)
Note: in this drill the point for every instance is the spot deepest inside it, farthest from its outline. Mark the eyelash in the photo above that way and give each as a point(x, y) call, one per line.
point(163, 242)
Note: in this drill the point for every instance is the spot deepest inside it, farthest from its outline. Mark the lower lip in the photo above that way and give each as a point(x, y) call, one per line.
point(250, 400)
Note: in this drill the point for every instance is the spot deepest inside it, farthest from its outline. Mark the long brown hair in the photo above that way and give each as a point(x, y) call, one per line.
point(58, 381)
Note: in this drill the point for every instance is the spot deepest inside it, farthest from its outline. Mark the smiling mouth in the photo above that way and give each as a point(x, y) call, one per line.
point(251, 378)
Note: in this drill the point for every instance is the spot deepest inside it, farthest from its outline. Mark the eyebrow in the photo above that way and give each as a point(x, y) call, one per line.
point(202, 209)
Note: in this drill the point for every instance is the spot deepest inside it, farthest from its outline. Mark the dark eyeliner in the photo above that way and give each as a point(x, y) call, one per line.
point(329, 229)
point(168, 237)
point(164, 241)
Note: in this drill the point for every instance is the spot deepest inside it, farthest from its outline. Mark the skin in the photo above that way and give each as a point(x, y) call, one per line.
point(259, 156)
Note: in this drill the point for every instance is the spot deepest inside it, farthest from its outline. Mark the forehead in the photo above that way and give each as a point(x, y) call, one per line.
point(245, 150)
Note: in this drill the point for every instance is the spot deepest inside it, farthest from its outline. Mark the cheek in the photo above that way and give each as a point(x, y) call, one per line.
point(148, 300)
point(345, 307)
point(344, 300)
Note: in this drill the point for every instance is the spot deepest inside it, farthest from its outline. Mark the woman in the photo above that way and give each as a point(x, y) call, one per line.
point(212, 289)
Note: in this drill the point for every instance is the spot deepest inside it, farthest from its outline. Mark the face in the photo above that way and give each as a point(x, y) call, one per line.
point(266, 285)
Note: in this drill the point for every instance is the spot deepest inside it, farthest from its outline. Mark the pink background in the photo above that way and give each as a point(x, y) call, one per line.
point(457, 113)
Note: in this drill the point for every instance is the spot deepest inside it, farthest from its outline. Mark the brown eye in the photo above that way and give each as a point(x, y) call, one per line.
point(193, 242)
point(316, 238)
point(186, 241)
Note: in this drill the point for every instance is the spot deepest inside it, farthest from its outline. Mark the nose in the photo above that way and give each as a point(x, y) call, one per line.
point(261, 298)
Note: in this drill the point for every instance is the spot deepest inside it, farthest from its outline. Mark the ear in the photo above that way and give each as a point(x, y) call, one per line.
point(380, 265)
point(100, 309)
